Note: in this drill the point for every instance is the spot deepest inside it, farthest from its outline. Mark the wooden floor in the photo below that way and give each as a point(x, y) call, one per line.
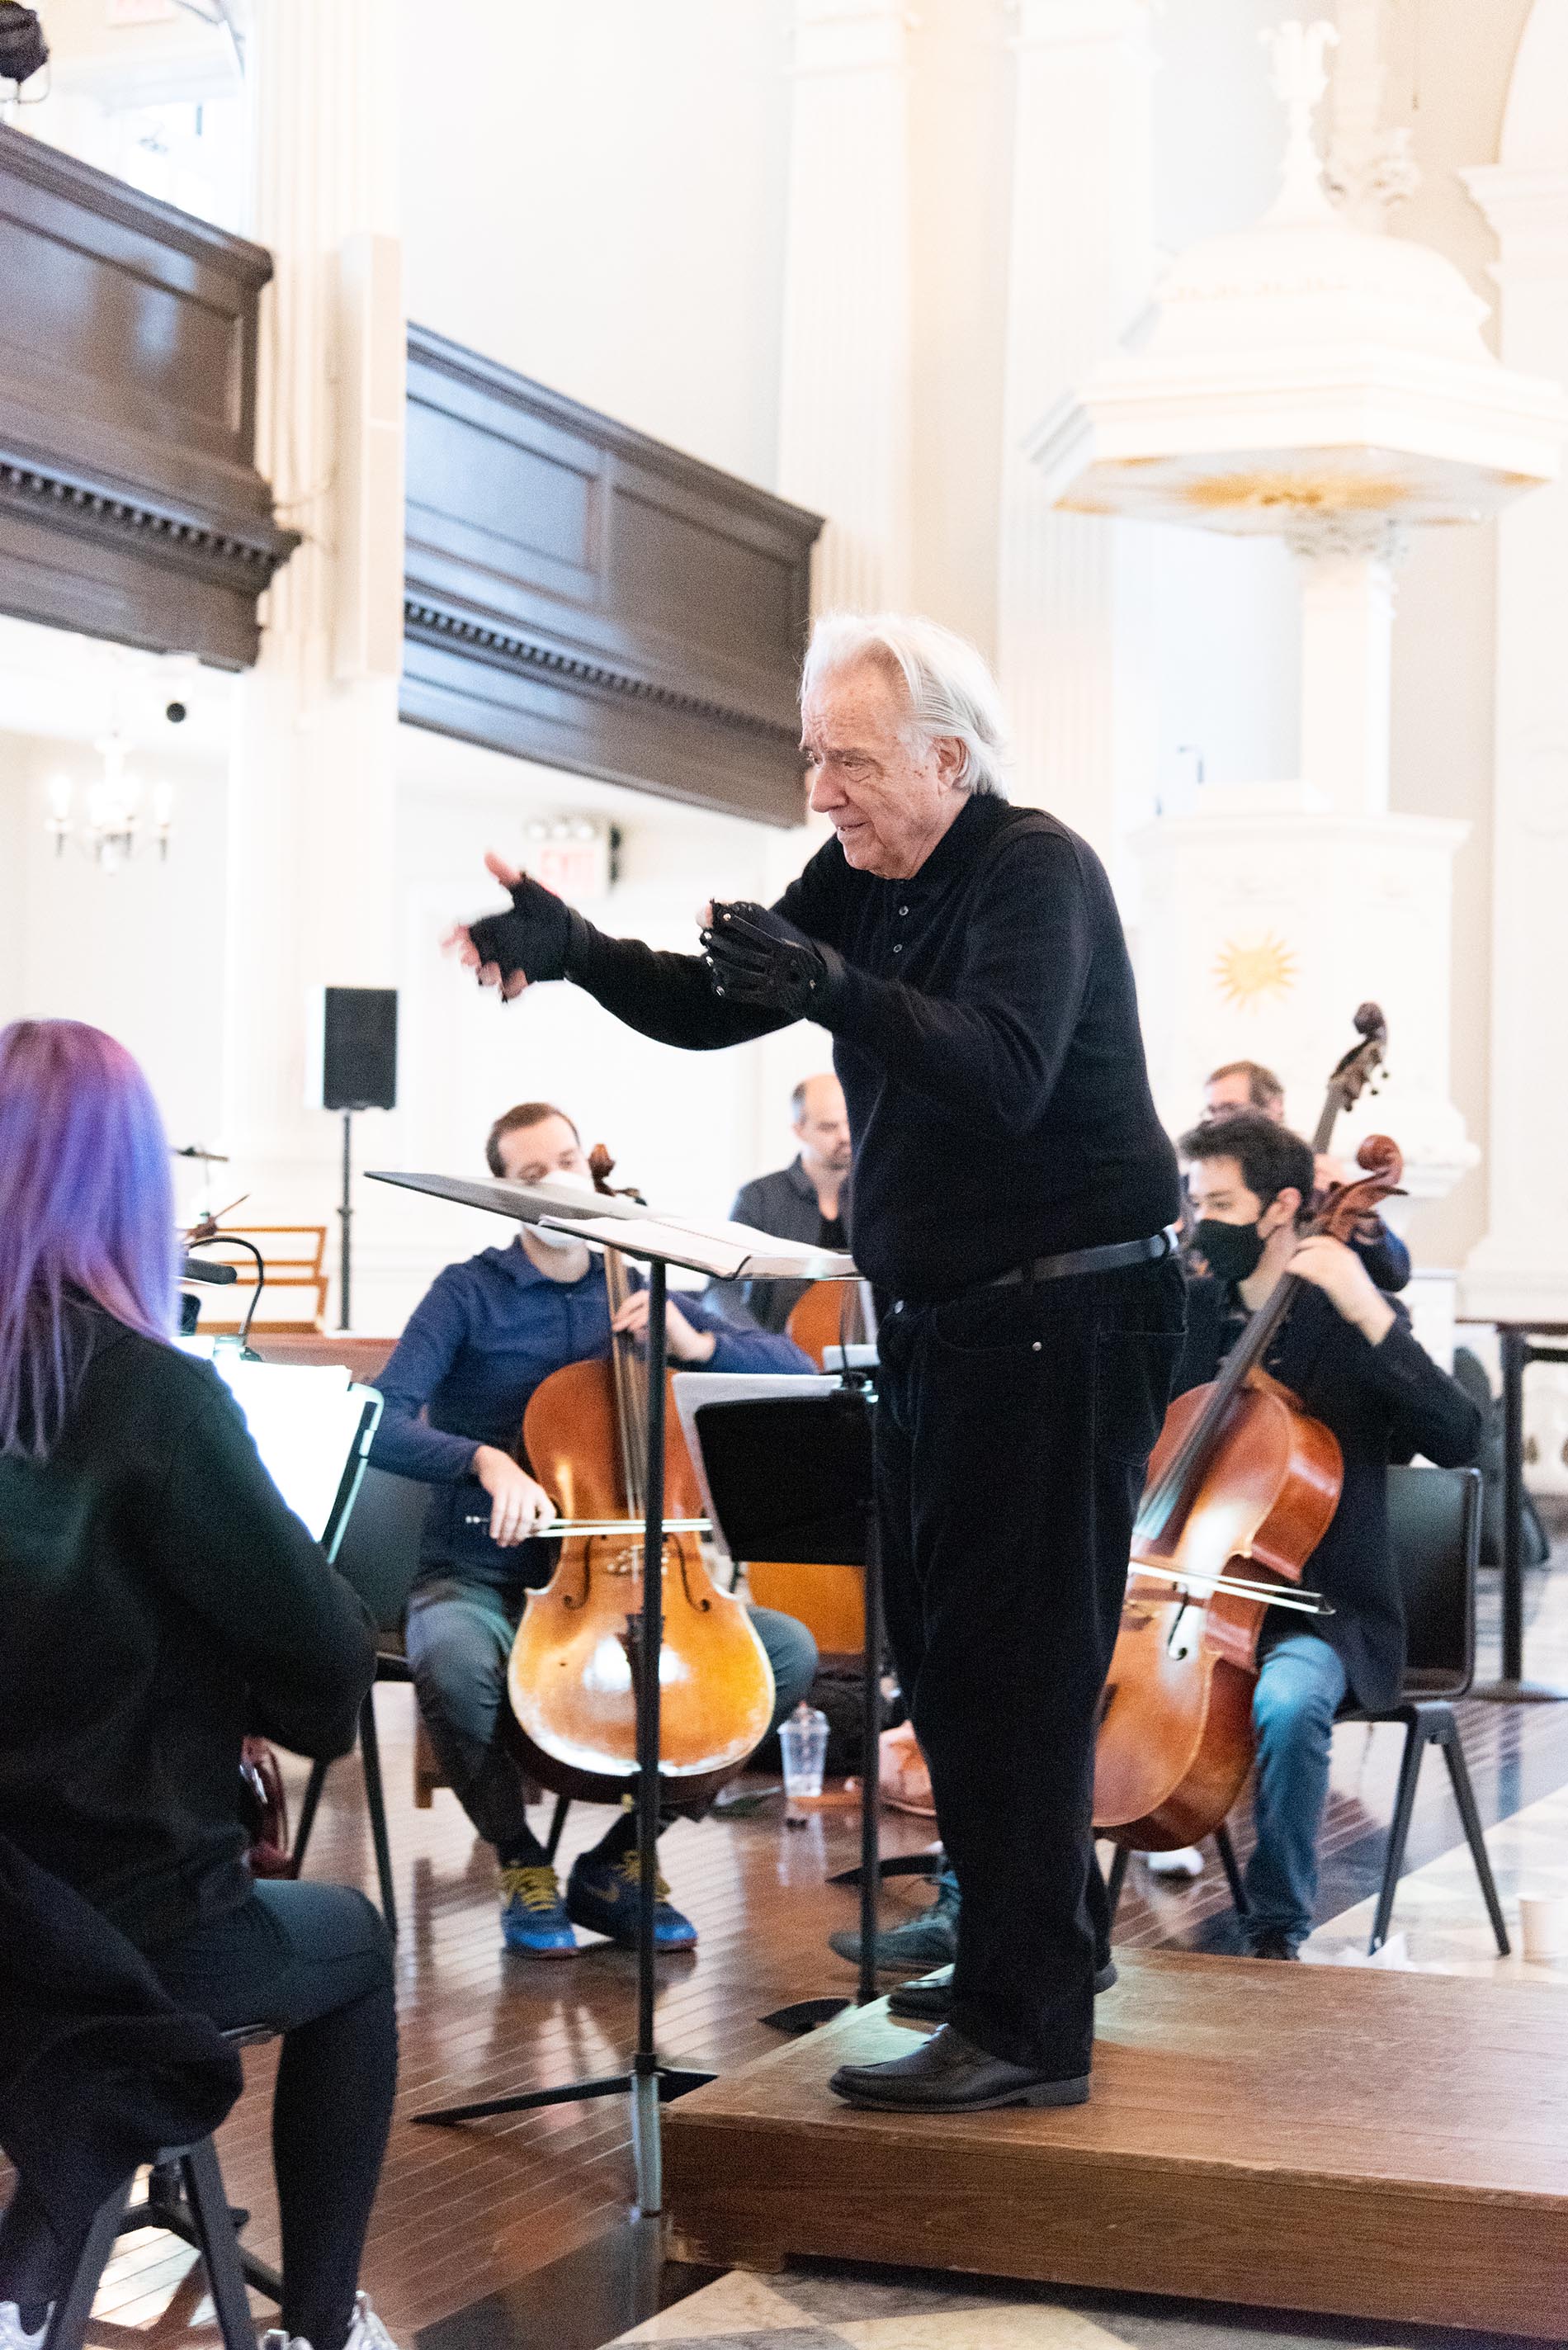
point(465, 2214)
point(1315, 2139)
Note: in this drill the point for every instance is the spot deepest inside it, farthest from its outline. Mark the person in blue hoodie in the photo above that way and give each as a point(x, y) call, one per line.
point(487, 1333)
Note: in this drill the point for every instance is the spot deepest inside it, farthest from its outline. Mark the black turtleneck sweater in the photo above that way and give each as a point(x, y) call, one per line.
point(986, 1037)
point(159, 1599)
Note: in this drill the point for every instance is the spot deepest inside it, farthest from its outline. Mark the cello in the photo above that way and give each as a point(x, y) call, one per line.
point(832, 1314)
point(1242, 1487)
point(570, 1679)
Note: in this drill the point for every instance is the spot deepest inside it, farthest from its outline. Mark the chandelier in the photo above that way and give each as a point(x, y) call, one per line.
point(117, 822)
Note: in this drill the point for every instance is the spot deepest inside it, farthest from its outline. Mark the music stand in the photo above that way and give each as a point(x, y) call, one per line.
point(657, 1246)
point(825, 1508)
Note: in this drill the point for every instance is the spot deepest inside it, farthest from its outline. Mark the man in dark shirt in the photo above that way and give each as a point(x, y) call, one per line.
point(806, 1200)
point(1346, 1352)
point(483, 1337)
point(1012, 1188)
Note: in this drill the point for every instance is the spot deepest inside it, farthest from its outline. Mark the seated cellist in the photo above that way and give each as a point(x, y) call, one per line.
point(486, 1334)
point(1346, 1351)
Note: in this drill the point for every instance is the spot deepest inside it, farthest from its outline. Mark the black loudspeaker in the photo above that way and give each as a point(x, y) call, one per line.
point(354, 1061)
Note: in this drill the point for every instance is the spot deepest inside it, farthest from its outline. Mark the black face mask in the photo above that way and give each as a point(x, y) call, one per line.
point(1231, 1252)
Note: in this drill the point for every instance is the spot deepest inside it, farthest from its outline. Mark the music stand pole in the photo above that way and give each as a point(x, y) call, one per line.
point(346, 1217)
point(870, 1762)
point(650, 2082)
point(645, 2140)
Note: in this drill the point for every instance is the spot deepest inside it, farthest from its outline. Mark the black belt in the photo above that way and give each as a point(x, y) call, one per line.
point(1108, 1259)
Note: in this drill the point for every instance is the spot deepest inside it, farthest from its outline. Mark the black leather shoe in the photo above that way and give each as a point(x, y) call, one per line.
point(1271, 1946)
point(948, 2074)
point(930, 1999)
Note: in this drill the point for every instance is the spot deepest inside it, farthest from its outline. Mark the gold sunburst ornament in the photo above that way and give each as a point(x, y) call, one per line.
point(1247, 975)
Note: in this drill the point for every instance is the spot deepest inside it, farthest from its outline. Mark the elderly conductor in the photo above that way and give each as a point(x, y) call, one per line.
point(1011, 1191)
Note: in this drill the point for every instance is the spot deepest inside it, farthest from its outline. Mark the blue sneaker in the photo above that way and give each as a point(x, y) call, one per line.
point(605, 1896)
point(534, 1922)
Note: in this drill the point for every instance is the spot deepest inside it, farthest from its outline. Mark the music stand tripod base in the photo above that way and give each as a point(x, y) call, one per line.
point(649, 2081)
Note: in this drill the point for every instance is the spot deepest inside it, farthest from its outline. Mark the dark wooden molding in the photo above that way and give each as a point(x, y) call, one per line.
point(130, 502)
point(579, 594)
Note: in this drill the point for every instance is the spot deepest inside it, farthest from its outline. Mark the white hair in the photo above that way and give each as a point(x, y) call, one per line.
point(952, 690)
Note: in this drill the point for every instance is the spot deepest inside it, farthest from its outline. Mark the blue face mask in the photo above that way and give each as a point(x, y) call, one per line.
point(1231, 1252)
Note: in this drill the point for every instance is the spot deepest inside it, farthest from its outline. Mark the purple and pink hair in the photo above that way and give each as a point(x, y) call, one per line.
point(86, 1209)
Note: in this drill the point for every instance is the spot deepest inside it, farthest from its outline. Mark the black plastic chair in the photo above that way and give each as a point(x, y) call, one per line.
point(185, 2197)
point(1434, 1535)
point(379, 1555)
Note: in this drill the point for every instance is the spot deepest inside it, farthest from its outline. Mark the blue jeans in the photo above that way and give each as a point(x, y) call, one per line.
point(460, 1637)
point(1301, 1684)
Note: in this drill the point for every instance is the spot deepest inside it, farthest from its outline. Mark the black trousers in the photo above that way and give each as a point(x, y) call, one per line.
point(1013, 1430)
point(315, 1961)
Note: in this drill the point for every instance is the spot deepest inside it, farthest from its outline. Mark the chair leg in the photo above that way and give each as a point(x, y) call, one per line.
point(167, 2206)
point(1232, 1867)
point(1399, 1829)
point(69, 2324)
point(220, 2248)
point(376, 1804)
point(1115, 1881)
point(307, 1810)
point(557, 1822)
point(1464, 1797)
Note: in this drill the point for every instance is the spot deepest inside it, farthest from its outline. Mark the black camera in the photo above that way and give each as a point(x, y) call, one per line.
point(176, 713)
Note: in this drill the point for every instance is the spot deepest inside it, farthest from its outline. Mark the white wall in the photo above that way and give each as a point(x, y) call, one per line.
point(139, 951)
point(686, 1127)
point(594, 193)
point(1448, 83)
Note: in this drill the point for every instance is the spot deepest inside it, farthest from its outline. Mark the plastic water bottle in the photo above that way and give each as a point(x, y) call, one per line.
point(803, 1741)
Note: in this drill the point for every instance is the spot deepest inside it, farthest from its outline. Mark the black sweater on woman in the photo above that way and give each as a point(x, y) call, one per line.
point(158, 1599)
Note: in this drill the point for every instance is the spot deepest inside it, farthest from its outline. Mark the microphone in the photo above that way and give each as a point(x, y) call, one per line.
point(208, 1268)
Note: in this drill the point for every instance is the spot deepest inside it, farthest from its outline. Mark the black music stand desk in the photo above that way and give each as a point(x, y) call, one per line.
point(786, 1466)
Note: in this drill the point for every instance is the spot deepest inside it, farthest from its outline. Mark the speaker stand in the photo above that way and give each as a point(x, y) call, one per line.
point(346, 1218)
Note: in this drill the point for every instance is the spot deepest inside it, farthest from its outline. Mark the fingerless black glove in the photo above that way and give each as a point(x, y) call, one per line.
point(755, 956)
point(535, 938)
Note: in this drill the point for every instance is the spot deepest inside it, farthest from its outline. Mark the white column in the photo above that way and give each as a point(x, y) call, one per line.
point(1072, 588)
point(1348, 640)
point(1522, 1265)
point(847, 359)
point(313, 812)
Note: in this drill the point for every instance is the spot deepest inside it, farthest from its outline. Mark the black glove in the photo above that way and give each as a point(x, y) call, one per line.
point(535, 938)
point(755, 956)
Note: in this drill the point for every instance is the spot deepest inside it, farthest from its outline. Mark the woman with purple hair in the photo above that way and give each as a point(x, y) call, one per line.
point(158, 1601)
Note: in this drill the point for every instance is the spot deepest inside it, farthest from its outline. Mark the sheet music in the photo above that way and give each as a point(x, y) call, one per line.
point(728, 1252)
point(305, 1421)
